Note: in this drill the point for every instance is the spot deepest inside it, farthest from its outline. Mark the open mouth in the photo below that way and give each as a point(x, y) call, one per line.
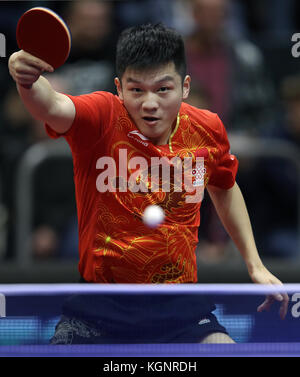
point(150, 119)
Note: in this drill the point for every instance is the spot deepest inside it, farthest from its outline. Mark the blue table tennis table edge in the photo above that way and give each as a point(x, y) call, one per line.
point(155, 350)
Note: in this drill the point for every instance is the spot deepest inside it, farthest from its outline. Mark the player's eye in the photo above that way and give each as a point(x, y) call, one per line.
point(163, 89)
point(136, 90)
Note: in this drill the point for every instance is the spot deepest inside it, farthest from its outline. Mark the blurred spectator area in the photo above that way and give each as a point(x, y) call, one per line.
point(45, 204)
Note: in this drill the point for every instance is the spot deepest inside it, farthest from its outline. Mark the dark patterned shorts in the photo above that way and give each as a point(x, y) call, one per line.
point(71, 330)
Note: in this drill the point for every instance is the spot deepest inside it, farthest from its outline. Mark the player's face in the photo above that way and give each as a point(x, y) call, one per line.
point(153, 98)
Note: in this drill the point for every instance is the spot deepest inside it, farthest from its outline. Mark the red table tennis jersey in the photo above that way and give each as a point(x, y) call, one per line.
point(114, 244)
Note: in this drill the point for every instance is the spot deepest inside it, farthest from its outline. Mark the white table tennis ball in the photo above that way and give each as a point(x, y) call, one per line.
point(153, 216)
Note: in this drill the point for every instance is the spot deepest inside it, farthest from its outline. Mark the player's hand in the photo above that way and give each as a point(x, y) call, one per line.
point(25, 68)
point(262, 276)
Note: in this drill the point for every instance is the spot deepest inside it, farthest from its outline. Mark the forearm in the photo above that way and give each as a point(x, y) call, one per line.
point(233, 213)
point(39, 100)
point(231, 208)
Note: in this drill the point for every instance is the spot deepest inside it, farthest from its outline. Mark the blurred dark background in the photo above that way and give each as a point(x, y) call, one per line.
point(239, 55)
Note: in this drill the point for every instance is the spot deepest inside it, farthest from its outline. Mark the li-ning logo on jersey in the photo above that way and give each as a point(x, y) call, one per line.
point(141, 139)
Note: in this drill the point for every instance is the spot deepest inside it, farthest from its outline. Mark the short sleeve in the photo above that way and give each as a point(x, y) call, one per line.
point(93, 117)
point(226, 164)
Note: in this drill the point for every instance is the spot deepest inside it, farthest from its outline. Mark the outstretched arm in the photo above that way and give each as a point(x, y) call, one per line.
point(231, 208)
point(40, 99)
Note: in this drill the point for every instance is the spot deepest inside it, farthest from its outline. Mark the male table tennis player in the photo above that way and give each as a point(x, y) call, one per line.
point(148, 118)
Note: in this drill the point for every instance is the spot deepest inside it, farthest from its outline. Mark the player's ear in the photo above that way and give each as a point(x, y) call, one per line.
point(119, 88)
point(186, 87)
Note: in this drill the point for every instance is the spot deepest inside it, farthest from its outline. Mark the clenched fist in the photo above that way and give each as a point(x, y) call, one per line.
point(25, 68)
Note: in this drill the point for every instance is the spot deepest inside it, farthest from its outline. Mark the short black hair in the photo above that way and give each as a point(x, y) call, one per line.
point(149, 46)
